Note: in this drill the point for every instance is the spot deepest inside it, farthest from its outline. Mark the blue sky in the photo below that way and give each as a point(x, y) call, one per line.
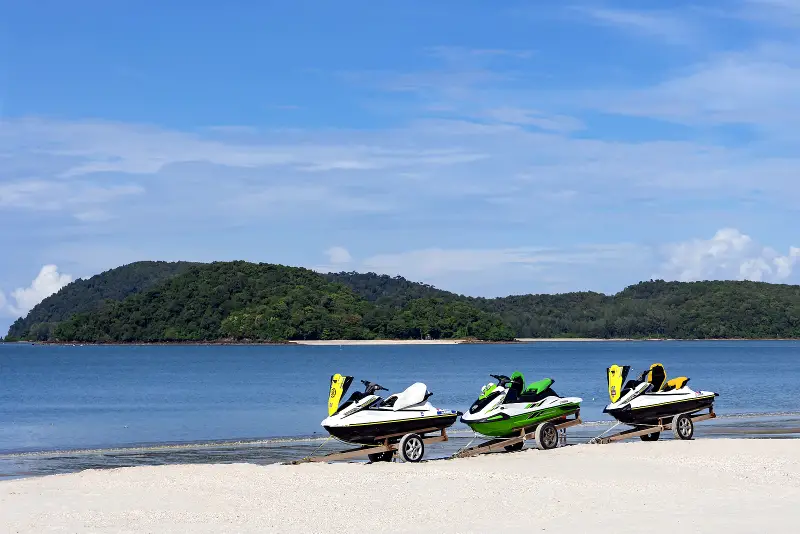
point(488, 148)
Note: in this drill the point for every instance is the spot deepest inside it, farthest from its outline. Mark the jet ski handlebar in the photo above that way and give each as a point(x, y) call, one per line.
point(371, 387)
point(501, 378)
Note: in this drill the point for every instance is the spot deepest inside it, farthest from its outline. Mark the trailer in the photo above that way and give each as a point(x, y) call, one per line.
point(410, 447)
point(547, 434)
point(682, 426)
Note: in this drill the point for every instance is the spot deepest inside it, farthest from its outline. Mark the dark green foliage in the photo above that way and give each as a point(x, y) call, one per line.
point(678, 310)
point(438, 318)
point(264, 302)
point(87, 295)
point(301, 313)
point(385, 290)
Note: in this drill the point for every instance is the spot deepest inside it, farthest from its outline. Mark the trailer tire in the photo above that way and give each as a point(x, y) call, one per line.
point(515, 447)
point(682, 426)
point(385, 456)
point(411, 448)
point(546, 436)
point(653, 436)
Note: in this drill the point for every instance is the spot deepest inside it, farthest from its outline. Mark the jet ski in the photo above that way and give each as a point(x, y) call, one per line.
point(507, 406)
point(651, 398)
point(365, 416)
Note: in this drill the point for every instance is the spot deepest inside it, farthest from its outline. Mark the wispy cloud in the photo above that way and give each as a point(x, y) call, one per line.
point(758, 87)
point(545, 121)
point(434, 262)
point(775, 13)
point(457, 55)
point(369, 172)
point(54, 195)
point(665, 25)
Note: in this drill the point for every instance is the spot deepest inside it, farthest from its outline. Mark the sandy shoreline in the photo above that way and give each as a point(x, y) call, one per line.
point(721, 485)
point(353, 342)
point(374, 342)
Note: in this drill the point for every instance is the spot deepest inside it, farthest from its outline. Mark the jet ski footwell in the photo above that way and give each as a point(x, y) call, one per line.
point(682, 426)
point(548, 435)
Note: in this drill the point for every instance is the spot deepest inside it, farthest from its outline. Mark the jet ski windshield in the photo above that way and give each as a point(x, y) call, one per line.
point(339, 386)
point(489, 392)
point(482, 401)
point(656, 376)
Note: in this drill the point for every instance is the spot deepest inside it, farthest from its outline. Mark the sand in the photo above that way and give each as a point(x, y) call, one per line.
point(350, 342)
point(353, 342)
point(713, 485)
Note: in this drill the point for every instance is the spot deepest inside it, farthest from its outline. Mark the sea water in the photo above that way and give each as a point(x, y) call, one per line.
point(64, 408)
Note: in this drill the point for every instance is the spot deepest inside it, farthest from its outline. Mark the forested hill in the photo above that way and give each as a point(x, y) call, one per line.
point(679, 310)
point(262, 302)
point(393, 291)
point(86, 295)
point(156, 301)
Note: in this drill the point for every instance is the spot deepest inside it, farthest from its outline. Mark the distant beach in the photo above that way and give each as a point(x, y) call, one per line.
point(352, 342)
point(377, 342)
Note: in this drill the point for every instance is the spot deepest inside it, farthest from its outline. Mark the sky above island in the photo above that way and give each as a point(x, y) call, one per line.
point(488, 148)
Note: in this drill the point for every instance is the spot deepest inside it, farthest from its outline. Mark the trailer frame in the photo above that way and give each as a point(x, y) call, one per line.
point(664, 423)
point(525, 434)
point(383, 444)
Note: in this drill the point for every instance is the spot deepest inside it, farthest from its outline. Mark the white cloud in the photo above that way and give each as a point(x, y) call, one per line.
point(296, 201)
point(54, 195)
point(338, 255)
point(338, 259)
point(759, 87)
point(771, 12)
point(435, 262)
point(495, 164)
point(662, 24)
point(729, 254)
point(47, 282)
point(504, 271)
point(102, 147)
point(545, 121)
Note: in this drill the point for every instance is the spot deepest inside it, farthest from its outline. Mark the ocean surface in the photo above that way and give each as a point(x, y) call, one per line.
point(66, 408)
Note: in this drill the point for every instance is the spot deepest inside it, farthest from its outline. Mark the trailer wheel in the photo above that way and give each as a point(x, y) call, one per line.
point(653, 436)
point(515, 447)
point(381, 456)
point(546, 436)
point(682, 426)
point(411, 448)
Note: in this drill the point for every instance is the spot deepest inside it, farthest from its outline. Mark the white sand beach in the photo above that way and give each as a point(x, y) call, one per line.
point(354, 342)
point(703, 486)
point(351, 342)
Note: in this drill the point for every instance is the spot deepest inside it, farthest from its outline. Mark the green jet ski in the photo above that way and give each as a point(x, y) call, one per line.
point(506, 407)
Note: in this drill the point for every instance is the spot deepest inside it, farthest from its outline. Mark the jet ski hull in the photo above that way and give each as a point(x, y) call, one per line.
point(651, 413)
point(503, 425)
point(368, 433)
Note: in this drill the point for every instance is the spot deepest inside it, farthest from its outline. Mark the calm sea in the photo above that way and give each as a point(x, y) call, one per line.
point(123, 405)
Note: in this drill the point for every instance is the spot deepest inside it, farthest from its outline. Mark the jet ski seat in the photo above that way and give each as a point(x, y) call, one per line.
point(675, 383)
point(539, 386)
point(538, 390)
point(416, 393)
